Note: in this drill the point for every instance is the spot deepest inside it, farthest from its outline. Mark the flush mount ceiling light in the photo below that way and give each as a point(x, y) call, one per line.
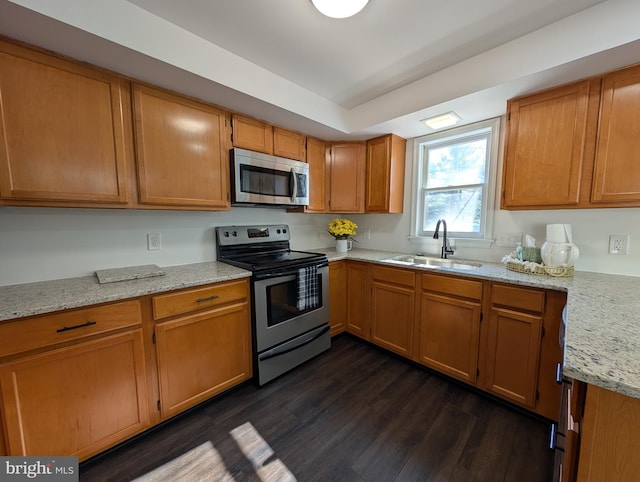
point(442, 120)
point(339, 8)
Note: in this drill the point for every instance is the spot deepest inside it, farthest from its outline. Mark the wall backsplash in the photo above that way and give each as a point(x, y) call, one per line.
point(38, 244)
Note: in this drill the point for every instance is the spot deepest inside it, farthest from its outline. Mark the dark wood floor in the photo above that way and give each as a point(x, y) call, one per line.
point(353, 413)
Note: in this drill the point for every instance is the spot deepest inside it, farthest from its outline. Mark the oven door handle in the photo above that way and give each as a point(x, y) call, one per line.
point(274, 352)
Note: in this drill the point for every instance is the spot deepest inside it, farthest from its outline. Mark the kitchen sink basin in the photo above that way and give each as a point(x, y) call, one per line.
point(431, 262)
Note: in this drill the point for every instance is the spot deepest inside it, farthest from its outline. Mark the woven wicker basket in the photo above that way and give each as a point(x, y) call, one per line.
point(563, 271)
point(540, 269)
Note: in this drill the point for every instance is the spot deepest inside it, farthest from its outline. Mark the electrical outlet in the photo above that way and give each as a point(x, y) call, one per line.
point(619, 243)
point(508, 240)
point(154, 241)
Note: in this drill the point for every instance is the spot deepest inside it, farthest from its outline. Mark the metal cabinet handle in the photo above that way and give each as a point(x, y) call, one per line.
point(559, 373)
point(554, 437)
point(208, 298)
point(75, 327)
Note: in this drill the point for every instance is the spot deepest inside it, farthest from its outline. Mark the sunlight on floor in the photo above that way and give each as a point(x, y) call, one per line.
point(258, 451)
point(204, 463)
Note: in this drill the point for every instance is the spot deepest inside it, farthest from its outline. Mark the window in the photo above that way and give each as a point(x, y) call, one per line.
point(455, 180)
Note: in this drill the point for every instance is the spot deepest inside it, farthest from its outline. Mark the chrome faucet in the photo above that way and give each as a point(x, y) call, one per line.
point(446, 249)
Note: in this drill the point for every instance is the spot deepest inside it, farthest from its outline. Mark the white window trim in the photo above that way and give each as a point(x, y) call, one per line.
point(485, 241)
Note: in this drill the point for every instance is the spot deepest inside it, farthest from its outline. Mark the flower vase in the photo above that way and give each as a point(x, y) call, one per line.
point(343, 245)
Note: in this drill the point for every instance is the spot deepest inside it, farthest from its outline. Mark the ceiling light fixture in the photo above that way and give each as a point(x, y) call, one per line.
point(339, 8)
point(442, 120)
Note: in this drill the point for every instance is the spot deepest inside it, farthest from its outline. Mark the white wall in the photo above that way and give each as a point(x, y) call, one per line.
point(47, 243)
point(591, 230)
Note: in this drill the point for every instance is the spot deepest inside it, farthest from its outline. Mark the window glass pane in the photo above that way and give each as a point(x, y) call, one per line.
point(456, 164)
point(462, 208)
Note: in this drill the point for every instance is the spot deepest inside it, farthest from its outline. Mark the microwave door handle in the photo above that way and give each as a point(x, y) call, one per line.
point(293, 182)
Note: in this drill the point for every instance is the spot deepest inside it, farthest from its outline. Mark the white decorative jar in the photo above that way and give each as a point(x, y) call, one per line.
point(343, 245)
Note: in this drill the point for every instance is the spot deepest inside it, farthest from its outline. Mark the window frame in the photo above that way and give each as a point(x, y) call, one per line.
point(451, 136)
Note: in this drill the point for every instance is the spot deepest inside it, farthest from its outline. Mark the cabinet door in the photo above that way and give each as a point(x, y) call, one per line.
point(449, 335)
point(317, 160)
point(201, 355)
point(337, 296)
point(252, 134)
point(545, 148)
point(289, 144)
point(513, 349)
point(385, 174)
point(357, 299)
point(617, 163)
point(65, 133)
point(77, 400)
point(346, 178)
point(181, 151)
point(392, 317)
point(609, 443)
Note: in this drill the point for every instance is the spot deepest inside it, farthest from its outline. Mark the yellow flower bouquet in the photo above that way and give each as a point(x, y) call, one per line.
point(342, 228)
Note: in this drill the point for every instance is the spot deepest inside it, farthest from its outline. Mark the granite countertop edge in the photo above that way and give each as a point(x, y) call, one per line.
point(602, 339)
point(29, 299)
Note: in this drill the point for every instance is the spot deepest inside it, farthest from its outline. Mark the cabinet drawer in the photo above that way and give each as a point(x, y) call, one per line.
point(393, 275)
point(32, 333)
point(181, 302)
point(522, 298)
point(452, 286)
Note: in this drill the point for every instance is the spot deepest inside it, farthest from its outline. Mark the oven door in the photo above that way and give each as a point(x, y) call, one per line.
point(278, 317)
point(262, 179)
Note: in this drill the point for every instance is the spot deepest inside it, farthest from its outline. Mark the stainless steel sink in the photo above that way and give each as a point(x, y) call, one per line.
point(432, 262)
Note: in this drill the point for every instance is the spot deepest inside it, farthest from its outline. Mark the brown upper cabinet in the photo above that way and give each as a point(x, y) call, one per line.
point(317, 160)
point(65, 132)
point(256, 135)
point(575, 146)
point(252, 134)
point(346, 173)
point(384, 190)
point(182, 151)
point(289, 144)
point(544, 150)
point(616, 175)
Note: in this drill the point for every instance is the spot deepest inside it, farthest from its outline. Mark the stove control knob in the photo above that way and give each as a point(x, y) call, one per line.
point(226, 234)
point(234, 234)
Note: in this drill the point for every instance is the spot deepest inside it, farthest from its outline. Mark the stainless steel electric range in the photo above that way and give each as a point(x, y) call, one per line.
point(289, 292)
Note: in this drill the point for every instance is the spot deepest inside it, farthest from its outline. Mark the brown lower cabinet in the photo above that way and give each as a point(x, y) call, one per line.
point(609, 442)
point(76, 400)
point(450, 311)
point(357, 299)
point(80, 381)
point(498, 337)
point(201, 355)
point(392, 308)
point(338, 297)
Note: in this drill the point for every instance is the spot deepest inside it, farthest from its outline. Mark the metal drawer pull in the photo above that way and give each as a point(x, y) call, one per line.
point(208, 298)
point(74, 327)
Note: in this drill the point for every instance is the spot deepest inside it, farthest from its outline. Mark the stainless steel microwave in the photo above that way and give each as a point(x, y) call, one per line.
point(261, 179)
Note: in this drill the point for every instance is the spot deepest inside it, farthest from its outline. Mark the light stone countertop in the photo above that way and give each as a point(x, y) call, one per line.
point(602, 339)
point(41, 297)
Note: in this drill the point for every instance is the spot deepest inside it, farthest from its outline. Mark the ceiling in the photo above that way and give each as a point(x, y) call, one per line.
point(380, 71)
